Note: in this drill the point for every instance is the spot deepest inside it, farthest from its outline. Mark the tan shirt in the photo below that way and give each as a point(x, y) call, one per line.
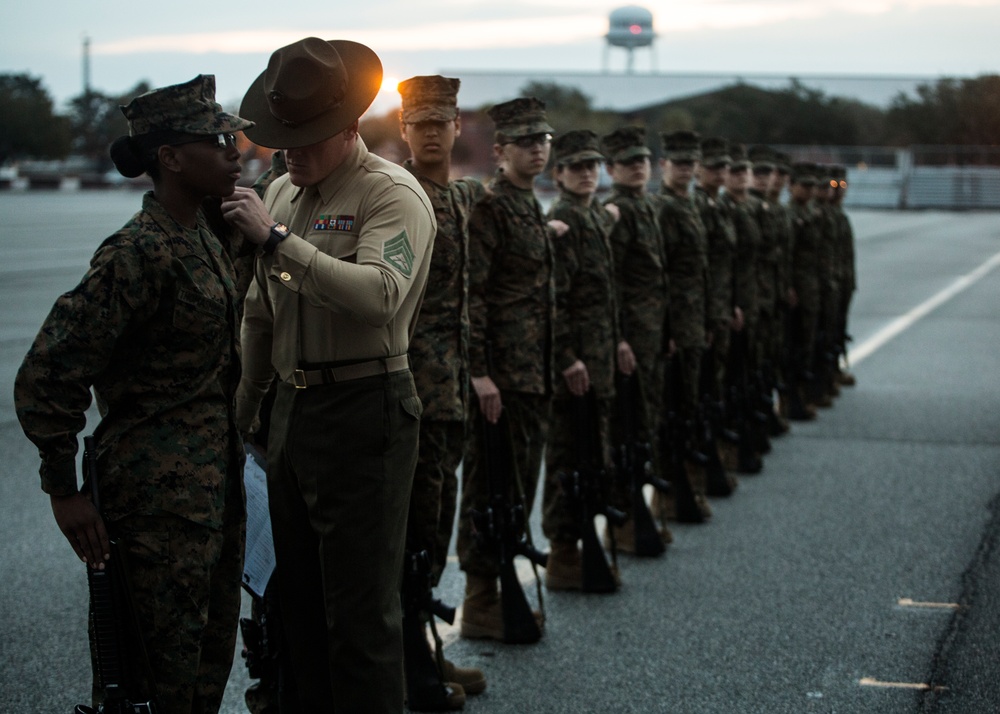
point(347, 284)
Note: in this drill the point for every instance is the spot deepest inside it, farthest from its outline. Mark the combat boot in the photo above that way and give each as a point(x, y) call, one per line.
point(564, 570)
point(798, 409)
point(728, 455)
point(699, 481)
point(471, 679)
point(482, 616)
point(624, 541)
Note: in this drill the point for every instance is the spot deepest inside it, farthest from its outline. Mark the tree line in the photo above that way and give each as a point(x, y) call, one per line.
point(946, 112)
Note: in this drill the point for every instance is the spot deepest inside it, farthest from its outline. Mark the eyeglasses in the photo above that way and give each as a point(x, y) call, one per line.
point(222, 141)
point(527, 142)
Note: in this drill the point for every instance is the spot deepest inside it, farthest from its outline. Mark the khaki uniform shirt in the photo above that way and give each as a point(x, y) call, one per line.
point(347, 284)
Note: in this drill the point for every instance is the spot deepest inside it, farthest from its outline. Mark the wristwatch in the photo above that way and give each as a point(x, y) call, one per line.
point(279, 231)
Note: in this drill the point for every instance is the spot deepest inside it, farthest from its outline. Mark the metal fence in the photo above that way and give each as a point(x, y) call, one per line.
point(918, 177)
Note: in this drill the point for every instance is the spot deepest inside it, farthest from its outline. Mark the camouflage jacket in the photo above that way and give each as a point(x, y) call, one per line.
point(747, 247)
point(687, 266)
point(845, 237)
point(828, 247)
point(769, 219)
point(805, 255)
point(782, 220)
point(640, 261)
point(152, 328)
point(586, 306)
point(511, 289)
point(439, 346)
point(721, 235)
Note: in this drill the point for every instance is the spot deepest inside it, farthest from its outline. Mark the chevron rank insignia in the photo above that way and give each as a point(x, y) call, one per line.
point(398, 253)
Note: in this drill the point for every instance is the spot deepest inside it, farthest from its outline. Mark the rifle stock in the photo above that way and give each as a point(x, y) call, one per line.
point(633, 458)
point(118, 648)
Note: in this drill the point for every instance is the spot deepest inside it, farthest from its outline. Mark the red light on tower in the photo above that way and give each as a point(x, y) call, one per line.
point(635, 29)
point(630, 27)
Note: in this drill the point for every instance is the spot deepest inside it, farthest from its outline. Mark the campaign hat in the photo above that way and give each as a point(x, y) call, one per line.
point(311, 90)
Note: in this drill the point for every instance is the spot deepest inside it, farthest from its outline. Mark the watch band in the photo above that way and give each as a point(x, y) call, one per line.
point(278, 233)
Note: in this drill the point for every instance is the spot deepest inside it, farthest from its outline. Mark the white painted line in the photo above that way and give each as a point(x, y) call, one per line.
point(903, 322)
point(909, 602)
point(872, 682)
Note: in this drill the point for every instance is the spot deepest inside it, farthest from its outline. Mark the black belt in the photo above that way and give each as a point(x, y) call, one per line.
point(303, 378)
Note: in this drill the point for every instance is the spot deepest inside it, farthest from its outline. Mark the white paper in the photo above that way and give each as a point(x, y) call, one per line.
point(258, 560)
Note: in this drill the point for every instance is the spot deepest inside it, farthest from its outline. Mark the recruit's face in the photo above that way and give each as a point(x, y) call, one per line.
point(714, 177)
point(762, 180)
point(739, 180)
point(523, 163)
point(801, 193)
point(633, 173)
point(308, 165)
point(210, 166)
point(677, 174)
point(580, 177)
point(431, 142)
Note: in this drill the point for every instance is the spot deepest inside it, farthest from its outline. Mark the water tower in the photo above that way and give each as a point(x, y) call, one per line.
point(630, 28)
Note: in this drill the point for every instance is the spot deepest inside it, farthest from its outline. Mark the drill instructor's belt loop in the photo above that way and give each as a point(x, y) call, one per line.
point(303, 378)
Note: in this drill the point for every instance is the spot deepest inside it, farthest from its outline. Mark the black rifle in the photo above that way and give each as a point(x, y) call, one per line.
point(749, 421)
point(123, 672)
point(586, 492)
point(634, 462)
point(710, 418)
point(425, 689)
point(501, 529)
point(675, 429)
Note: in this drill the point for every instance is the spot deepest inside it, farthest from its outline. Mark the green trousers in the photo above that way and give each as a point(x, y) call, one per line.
point(340, 467)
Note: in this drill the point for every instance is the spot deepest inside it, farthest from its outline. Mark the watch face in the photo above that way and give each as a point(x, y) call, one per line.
point(280, 228)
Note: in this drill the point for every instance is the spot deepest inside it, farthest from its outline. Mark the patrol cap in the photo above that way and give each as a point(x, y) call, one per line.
point(804, 172)
point(576, 145)
point(740, 160)
point(180, 110)
point(625, 144)
point(763, 158)
point(311, 90)
point(429, 98)
point(681, 145)
point(715, 152)
point(519, 117)
point(783, 162)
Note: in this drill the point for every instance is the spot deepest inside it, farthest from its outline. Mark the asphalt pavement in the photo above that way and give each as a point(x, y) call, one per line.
point(857, 573)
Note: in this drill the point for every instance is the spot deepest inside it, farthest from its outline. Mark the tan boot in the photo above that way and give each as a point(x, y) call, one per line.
point(564, 570)
point(846, 378)
point(481, 613)
point(728, 455)
point(699, 482)
point(471, 679)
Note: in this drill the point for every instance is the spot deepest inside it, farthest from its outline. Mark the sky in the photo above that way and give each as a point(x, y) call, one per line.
point(171, 41)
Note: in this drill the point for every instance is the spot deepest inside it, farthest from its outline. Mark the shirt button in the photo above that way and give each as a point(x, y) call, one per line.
point(286, 276)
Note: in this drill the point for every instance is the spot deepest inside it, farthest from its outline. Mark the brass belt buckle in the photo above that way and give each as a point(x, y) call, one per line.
point(299, 379)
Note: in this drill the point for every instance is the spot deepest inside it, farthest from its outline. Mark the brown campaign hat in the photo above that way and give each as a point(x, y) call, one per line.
point(519, 117)
point(311, 90)
point(428, 98)
point(625, 143)
point(576, 145)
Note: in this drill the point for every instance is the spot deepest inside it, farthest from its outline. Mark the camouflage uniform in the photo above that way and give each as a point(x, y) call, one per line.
point(781, 216)
point(586, 330)
point(640, 264)
point(439, 355)
point(720, 234)
point(848, 283)
point(804, 277)
point(768, 218)
point(828, 261)
point(152, 328)
point(511, 309)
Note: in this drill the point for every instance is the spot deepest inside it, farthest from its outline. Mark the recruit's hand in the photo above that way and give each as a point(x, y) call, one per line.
point(577, 378)
point(737, 322)
point(614, 211)
point(559, 227)
point(793, 298)
point(626, 358)
point(83, 527)
point(244, 209)
point(489, 398)
point(671, 347)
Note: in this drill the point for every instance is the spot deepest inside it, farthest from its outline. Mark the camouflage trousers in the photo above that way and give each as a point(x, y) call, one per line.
point(559, 521)
point(528, 415)
point(435, 491)
point(185, 580)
